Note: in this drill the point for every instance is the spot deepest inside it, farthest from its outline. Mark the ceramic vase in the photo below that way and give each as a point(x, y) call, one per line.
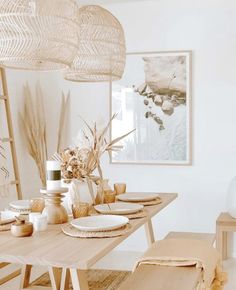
point(231, 198)
point(79, 191)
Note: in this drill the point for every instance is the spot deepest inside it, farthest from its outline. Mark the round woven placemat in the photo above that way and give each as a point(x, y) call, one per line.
point(4, 228)
point(137, 215)
point(151, 202)
point(146, 203)
point(71, 231)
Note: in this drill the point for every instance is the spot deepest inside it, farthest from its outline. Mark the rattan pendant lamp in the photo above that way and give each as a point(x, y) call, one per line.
point(38, 34)
point(102, 52)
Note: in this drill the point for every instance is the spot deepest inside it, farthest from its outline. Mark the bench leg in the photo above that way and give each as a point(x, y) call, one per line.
point(224, 245)
point(221, 242)
point(149, 232)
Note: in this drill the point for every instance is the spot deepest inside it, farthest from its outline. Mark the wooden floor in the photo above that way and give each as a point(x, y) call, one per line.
point(127, 260)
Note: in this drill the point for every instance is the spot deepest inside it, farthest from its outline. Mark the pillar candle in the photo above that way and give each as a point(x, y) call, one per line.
point(53, 169)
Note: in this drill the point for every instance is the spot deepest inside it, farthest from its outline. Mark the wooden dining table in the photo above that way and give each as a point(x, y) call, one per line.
point(65, 256)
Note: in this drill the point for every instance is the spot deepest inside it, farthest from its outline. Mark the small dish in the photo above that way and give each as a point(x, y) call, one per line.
point(100, 223)
point(138, 196)
point(119, 208)
point(21, 204)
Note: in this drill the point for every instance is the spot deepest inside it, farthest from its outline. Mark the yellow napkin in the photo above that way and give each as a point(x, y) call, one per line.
point(188, 252)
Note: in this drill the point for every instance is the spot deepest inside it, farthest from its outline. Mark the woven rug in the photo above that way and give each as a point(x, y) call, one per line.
point(98, 279)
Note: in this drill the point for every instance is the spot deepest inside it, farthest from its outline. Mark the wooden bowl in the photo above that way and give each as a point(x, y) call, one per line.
point(22, 229)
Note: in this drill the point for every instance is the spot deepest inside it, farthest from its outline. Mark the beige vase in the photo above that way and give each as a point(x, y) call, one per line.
point(79, 191)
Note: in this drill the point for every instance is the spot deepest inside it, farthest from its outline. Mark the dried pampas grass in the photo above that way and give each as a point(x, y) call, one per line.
point(33, 122)
point(34, 125)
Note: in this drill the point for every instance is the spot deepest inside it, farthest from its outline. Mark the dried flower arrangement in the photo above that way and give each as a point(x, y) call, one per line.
point(80, 162)
point(33, 123)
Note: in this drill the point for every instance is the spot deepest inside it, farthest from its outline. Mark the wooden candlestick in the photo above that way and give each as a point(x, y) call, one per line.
point(55, 212)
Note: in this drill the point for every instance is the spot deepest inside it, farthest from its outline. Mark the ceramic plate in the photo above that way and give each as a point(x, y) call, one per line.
point(99, 223)
point(21, 204)
point(119, 208)
point(137, 196)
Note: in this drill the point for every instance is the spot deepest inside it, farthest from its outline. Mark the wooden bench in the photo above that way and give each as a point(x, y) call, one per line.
point(154, 277)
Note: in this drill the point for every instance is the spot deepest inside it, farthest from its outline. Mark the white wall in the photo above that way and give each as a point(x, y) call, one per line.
point(207, 27)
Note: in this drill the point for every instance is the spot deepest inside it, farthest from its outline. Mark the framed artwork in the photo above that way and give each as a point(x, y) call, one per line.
point(154, 97)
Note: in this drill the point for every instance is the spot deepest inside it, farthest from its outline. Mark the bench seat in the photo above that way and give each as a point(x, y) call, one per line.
point(153, 277)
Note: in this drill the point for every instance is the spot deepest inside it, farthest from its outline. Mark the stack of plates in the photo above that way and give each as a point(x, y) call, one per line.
point(100, 223)
point(138, 197)
point(20, 206)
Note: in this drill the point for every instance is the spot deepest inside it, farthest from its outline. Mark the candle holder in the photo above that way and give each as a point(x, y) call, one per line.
point(55, 212)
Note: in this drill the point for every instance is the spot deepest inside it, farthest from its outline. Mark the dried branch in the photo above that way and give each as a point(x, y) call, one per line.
point(80, 162)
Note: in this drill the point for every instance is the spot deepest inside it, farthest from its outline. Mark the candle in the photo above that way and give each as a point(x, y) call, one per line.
point(40, 222)
point(53, 174)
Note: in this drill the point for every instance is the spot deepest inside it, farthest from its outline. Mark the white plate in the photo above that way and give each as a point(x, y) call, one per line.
point(100, 223)
point(119, 208)
point(137, 196)
point(21, 204)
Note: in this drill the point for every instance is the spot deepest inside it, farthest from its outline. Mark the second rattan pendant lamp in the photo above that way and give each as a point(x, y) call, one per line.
point(102, 52)
point(38, 34)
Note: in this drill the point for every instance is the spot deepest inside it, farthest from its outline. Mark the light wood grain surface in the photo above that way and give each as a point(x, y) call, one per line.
point(54, 249)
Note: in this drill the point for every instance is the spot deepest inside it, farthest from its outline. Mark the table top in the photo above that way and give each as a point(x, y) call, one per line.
point(53, 248)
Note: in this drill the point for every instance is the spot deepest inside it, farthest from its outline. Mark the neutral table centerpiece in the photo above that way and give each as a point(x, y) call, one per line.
point(79, 163)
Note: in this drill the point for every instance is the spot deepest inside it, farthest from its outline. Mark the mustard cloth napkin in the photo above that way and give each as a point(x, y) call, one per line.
point(188, 252)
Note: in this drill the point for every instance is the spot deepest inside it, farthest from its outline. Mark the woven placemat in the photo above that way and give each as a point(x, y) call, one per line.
point(137, 215)
point(145, 203)
point(71, 231)
point(151, 202)
point(5, 225)
point(4, 228)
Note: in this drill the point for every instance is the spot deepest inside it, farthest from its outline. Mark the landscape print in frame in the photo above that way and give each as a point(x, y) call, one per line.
point(154, 97)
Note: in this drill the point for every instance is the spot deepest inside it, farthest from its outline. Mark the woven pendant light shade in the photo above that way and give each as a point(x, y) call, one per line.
point(38, 34)
point(102, 52)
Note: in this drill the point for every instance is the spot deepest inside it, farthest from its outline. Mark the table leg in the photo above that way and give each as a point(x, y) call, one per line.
point(79, 279)
point(25, 276)
point(149, 232)
point(55, 277)
point(65, 279)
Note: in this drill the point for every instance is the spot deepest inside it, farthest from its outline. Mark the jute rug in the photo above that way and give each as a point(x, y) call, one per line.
point(98, 279)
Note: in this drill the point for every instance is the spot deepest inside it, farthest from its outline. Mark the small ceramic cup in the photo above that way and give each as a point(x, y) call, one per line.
point(109, 196)
point(120, 188)
point(40, 223)
point(80, 209)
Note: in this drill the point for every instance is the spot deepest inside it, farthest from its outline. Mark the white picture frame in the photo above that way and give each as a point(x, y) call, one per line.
point(154, 97)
